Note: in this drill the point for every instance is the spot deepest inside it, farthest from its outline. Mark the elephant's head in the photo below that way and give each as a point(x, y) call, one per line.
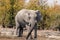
point(34, 16)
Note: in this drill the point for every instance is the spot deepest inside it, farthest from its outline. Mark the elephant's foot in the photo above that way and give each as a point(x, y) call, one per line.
point(19, 36)
point(30, 38)
point(35, 38)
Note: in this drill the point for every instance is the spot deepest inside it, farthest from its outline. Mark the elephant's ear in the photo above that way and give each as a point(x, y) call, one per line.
point(38, 17)
point(37, 12)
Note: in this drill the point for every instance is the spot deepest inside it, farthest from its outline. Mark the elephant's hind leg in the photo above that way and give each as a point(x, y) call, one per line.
point(20, 31)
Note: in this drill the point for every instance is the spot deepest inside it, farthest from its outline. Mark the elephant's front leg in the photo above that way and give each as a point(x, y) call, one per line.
point(35, 31)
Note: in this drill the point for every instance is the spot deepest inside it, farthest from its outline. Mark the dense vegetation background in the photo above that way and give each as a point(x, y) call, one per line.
point(9, 8)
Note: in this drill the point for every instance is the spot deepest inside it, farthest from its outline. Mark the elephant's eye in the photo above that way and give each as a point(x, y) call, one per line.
point(29, 17)
point(28, 13)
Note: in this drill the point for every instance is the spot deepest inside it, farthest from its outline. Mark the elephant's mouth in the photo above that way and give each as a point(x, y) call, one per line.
point(29, 24)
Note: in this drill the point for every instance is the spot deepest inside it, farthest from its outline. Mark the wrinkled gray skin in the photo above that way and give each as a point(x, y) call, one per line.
point(26, 17)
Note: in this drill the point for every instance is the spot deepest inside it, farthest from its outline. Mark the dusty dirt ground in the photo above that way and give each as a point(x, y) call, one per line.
point(23, 38)
point(41, 35)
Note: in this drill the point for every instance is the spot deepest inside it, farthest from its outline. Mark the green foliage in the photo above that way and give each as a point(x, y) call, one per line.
point(9, 8)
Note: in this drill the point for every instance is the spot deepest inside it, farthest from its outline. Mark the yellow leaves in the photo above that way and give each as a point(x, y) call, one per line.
point(7, 1)
point(2, 9)
point(32, 5)
point(8, 7)
point(20, 2)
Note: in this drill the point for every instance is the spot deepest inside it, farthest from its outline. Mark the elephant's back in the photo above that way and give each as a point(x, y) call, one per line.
point(21, 15)
point(24, 14)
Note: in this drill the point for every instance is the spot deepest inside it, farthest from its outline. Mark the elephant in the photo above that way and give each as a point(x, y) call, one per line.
point(26, 17)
